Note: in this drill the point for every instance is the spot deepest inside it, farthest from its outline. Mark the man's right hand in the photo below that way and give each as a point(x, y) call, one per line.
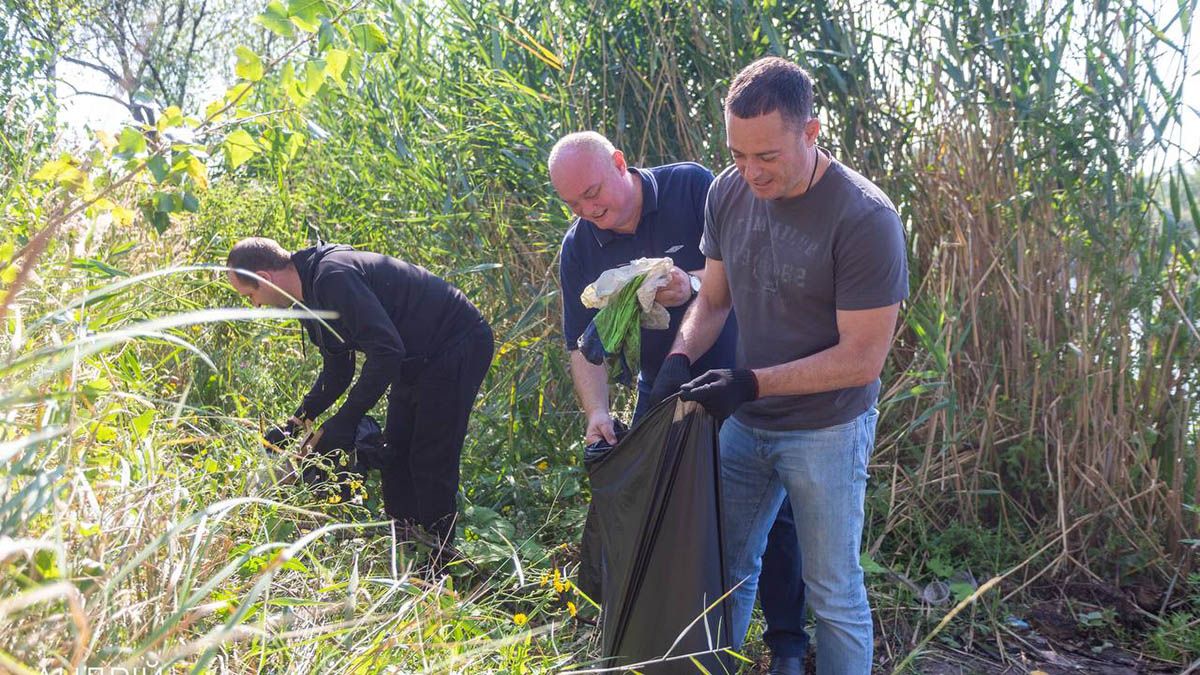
point(675, 371)
point(600, 425)
point(278, 435)
point(677, 291)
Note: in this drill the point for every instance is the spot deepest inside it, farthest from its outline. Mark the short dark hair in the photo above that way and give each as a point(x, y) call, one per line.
point(771, 84)
point(256, 254)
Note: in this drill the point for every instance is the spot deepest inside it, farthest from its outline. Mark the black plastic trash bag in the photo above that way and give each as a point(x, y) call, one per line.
point(657, 501)
point(369, 445)
point(590, 578)
point(337, 468)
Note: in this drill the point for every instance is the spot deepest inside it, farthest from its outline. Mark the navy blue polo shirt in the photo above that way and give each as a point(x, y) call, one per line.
point(672, 221)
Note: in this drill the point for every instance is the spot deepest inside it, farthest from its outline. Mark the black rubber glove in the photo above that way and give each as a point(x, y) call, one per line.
point(675, 371)
point(334, 436)
point(279, 435)
point(722, 391)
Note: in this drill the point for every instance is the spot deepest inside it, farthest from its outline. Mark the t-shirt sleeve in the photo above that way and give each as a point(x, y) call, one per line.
point(576, 317)
point(870, 262)
point(710, 241)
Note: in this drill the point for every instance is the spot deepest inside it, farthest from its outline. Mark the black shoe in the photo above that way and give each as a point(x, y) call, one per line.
point(442, 555)
point(786, 665)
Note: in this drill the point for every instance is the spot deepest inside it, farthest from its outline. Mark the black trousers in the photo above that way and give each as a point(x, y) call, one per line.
point(426, 426)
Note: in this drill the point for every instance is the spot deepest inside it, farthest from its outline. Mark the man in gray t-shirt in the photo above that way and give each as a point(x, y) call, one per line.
point(791, 264)
point(811, 256)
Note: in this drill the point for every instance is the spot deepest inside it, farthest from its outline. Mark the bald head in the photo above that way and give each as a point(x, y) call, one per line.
point(581, 145)
point(591, 176)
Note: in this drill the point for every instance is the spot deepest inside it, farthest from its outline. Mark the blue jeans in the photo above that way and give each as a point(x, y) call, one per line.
point(823, 472)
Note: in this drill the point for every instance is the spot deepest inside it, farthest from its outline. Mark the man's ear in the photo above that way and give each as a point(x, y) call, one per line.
point(245, 279)
point(811, 129)
point(619, 161)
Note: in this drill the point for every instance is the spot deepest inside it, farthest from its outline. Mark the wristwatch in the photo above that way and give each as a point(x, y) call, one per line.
point(695, 283)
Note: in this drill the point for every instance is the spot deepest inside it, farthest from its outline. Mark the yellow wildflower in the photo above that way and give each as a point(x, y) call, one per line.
point(543, 465)
point(520, 619)
point(572, 608)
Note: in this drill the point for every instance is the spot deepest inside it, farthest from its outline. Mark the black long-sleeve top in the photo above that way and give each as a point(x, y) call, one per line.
point(396, 313)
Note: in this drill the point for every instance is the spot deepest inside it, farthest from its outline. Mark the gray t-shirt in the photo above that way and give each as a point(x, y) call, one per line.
point(791, 264)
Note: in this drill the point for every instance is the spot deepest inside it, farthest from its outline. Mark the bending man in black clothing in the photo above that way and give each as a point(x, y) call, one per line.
point(421, 338)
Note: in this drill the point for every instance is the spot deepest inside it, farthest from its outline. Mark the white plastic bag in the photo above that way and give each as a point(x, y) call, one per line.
point(657, 273)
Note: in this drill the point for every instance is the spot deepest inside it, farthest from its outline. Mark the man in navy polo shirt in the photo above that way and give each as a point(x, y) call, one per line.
point(625, 213)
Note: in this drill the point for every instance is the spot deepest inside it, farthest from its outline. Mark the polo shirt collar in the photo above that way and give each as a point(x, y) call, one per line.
point(649, 205)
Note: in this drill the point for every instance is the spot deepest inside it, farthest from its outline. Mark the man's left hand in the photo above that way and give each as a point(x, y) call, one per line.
point(722, 391)
point(674, 373)
point(678, 290)
point(327, 438)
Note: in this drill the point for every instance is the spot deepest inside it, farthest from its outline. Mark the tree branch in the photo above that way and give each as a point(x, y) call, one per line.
point(80, 92)
point(191, 50)
point(76, 91)
point(110, 73)
point(162, 86)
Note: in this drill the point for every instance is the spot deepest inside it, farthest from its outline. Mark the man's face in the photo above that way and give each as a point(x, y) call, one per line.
point(595, 187)
point(263, 295)
point(774, 155)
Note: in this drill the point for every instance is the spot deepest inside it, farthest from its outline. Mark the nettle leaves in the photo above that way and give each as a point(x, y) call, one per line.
point(339, 49)
point(249, 66)
point(163, 160)
point(260, 116)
